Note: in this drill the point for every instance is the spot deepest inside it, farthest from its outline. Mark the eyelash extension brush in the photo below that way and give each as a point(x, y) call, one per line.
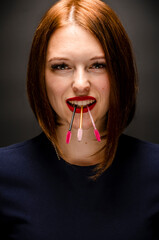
point(80, 130)
point(96, 133)
point(68, 136)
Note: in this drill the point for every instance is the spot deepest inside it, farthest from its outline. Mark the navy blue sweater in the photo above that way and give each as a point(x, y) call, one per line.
point(43, 198)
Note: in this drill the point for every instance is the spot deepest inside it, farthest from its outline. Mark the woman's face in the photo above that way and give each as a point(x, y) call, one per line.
point(76, 73)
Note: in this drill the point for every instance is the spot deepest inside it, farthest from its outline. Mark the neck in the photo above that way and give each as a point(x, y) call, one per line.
point(84, 153)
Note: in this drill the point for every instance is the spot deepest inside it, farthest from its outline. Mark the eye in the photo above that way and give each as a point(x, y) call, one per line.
point(98, 66)
point(60, 67)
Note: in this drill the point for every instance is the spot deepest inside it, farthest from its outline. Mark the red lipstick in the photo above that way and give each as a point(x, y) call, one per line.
point(81, 98)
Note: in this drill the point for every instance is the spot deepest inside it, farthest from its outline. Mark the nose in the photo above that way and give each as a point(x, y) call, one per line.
point(81, 83)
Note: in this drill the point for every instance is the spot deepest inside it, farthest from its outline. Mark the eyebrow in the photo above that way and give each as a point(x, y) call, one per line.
point(57, 58)
point(98, 57)
point(62, 59)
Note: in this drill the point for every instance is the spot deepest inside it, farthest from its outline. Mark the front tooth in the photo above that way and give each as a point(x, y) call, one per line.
point(82, 103)
point(76, 102)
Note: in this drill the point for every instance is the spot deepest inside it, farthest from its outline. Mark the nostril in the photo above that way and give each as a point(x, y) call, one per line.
point(87, 88)
point(81, 90)
point(75, 89)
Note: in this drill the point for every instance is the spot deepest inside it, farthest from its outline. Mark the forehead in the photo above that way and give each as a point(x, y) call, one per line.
point(73, 40)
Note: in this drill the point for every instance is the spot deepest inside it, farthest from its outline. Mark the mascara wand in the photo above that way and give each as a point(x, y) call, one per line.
point(68, 136)
point(96, 132)
point(80, 130)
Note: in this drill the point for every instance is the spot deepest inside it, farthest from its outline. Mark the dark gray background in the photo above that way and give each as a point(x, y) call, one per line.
point(18, 21)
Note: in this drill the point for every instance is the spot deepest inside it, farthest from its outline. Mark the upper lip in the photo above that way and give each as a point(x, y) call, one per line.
point(81, 101)
point(81, 98)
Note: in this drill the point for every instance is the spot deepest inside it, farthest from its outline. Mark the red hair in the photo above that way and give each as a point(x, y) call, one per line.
point(101, 21)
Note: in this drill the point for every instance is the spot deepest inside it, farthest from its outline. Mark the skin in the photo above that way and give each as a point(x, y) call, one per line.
point(76, 66)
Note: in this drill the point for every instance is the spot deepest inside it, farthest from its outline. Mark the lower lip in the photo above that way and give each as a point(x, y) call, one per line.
point(78, 109)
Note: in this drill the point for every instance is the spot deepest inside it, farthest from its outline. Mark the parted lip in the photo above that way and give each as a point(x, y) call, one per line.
point(81, 98)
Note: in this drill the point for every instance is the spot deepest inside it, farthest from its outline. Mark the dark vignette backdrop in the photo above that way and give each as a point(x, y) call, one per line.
point(18, 21)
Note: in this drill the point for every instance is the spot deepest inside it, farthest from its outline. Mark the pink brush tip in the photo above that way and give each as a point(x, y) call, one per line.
point(79, 134)
point(68, 137)
point(97, 135)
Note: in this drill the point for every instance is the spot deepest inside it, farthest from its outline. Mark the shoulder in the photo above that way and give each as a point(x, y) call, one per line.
point(25, 154)
point(139, 155)
point(137, 170)
point(26, 162)
point(20, 148)
point(138, 147)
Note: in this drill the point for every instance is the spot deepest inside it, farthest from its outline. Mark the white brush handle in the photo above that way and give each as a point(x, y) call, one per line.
point(91, 118)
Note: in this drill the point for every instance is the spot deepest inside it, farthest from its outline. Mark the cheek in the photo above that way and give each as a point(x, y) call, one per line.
point(104, 87)
point(55, 91)
point(54, 88)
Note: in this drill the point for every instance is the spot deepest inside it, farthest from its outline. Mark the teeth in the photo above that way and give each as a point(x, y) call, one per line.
point(82, 103)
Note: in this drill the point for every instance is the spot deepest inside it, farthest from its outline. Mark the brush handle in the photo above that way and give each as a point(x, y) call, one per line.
point(81, 117)
point(91, 118)
point(80, 130)
point(72, 117)
point(96, 133)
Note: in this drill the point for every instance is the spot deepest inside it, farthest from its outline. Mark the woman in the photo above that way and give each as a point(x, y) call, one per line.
point(81, 178)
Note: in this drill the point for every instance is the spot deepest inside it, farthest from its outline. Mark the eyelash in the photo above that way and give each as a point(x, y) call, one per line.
point(99, 65)
point(59, 67)
point(63, 66)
